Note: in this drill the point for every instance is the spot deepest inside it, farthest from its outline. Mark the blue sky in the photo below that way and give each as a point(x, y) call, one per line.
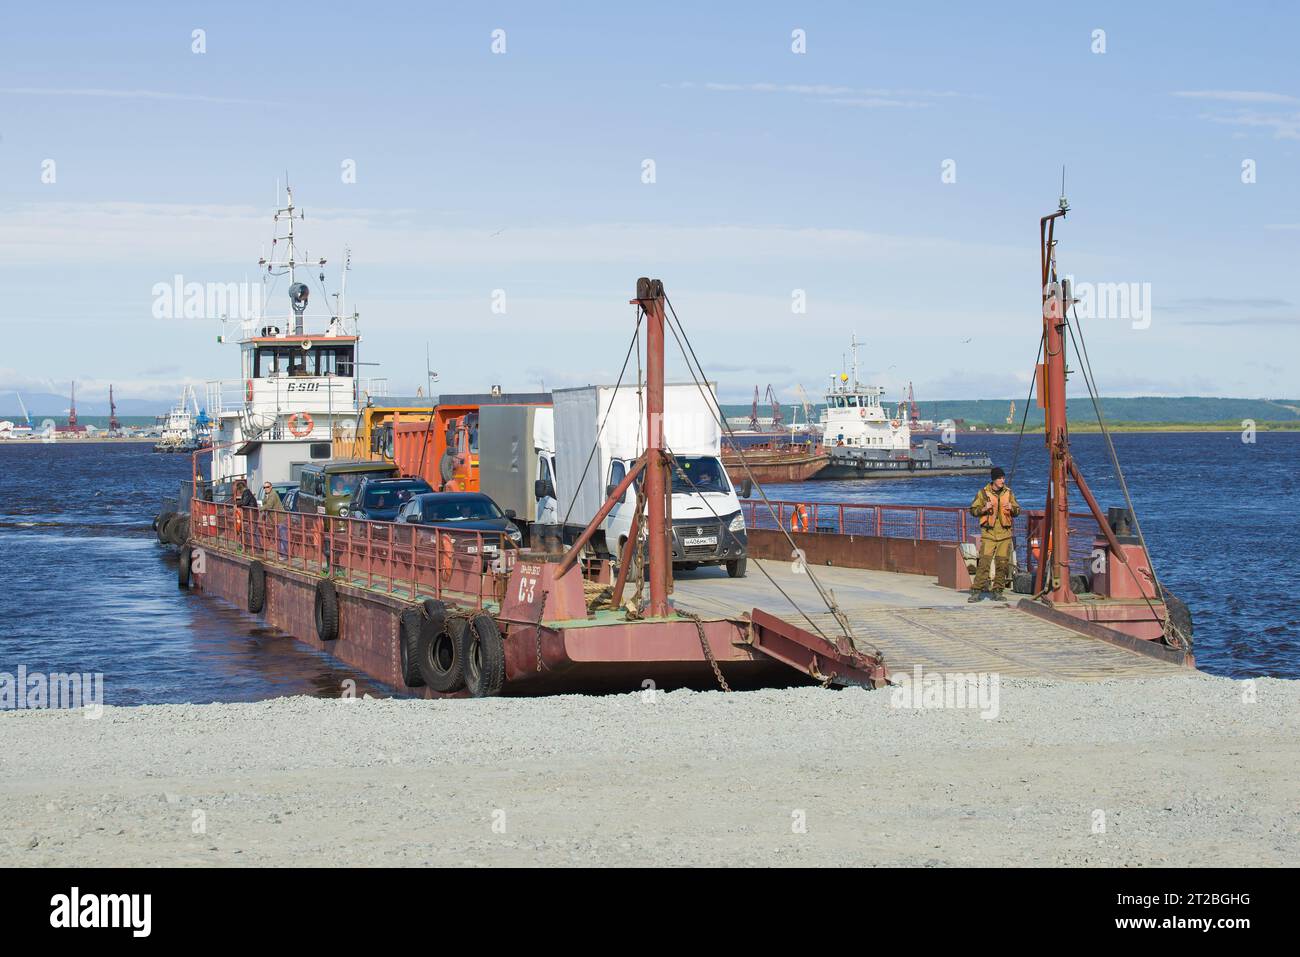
point(775, 172)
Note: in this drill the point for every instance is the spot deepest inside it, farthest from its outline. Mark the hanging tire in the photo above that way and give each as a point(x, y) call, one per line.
point(184, 564)
point(738, 568)
point(160, 525)
point(1180, 616)
point(256, 587)
point(326, 611)
point(1179, 613)
point(1080, 584)
point(447, 466)
point(441, 654)
point(485, 658)
point(410, 625)
point(183, 529)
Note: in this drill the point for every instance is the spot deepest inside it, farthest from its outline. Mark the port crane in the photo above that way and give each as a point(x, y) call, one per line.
point(777, 421)
point(114, 426)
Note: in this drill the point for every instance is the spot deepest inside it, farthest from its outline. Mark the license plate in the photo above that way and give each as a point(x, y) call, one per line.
point(700, 540)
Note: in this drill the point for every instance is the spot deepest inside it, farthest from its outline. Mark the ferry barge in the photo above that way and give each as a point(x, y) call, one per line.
point(422, 609)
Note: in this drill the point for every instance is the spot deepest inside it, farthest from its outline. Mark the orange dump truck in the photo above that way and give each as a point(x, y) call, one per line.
point(443, 449)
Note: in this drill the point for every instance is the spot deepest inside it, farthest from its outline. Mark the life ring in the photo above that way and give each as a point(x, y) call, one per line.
point(301, 424)
point(799, 518)
point(895, 423)
point(248, 390)
point(862, 413)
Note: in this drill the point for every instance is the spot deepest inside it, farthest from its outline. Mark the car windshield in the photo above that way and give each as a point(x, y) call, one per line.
point(392, 496)
point(699, 474)
point(459, 510)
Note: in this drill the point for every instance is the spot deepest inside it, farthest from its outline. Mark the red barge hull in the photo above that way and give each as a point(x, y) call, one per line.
point(552, 643)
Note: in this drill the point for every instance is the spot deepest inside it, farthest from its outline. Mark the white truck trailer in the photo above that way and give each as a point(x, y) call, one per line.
point(707, 525)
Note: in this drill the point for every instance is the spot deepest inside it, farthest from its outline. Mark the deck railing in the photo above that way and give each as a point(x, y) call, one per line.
point(941, 523)
point(414, 560)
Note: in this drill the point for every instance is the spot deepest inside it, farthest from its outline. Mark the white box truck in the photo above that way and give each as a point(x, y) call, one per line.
point(707, 525)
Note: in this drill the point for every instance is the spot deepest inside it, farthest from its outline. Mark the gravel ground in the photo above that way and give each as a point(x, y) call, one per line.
point(1181, 771)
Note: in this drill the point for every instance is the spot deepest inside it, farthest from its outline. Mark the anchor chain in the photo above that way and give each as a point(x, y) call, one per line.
point(708, 652)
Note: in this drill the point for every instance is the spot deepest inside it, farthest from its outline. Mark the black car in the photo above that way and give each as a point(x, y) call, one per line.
point(463, 511)
point(381, 499)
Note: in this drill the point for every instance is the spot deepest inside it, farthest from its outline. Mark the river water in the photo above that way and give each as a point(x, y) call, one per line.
point(85, 587)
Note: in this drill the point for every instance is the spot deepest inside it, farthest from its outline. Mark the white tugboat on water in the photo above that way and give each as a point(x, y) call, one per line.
point(863, 441)
point(186, 427)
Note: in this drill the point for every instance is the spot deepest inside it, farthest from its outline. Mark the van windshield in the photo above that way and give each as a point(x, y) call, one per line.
point(701, 473)
point(345, 483)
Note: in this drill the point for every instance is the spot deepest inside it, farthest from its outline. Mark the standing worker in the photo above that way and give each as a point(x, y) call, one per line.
point(271, 502)
point(996, 507)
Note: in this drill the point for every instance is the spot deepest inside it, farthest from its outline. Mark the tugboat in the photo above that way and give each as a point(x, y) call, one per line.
point(296, 386)
point(863, 443)
point(185, 428)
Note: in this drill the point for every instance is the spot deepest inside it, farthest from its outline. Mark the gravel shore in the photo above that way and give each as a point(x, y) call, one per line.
point(1181, 771)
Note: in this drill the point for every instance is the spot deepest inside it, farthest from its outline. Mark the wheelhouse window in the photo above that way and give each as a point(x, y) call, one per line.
point(291, 359)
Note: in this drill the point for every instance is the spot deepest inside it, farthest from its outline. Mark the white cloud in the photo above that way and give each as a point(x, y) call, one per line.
point(126, 94)
point(1237, 96)
point(49, 233)
point(838, 95)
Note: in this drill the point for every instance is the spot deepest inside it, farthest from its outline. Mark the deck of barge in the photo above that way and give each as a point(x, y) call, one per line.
point(913, 622)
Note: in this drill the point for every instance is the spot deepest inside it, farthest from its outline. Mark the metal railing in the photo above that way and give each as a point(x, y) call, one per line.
point(415, 560)
point(945, 523)
point(941, 523)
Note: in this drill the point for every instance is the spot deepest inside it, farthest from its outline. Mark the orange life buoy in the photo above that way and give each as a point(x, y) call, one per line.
point(248, 390)
point(300, 424)
point(799, 518)
point(895, 423)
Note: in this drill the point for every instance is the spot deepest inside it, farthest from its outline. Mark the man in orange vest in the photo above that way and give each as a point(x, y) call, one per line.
point(996, 507)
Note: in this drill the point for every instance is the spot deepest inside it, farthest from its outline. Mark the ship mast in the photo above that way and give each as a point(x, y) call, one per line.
point(290, 262)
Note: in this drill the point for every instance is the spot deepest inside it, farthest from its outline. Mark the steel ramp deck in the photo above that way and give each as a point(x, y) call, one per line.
point(912, 621)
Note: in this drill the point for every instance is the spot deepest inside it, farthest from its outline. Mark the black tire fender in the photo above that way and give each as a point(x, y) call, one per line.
point(410, 624)
point(160, 525)
point(485, 657)
point(326, 610)
point(184, 564)
point(256, 587)
point(441, 654)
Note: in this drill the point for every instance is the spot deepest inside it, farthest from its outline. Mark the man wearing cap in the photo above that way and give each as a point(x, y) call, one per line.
point(996, 507)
